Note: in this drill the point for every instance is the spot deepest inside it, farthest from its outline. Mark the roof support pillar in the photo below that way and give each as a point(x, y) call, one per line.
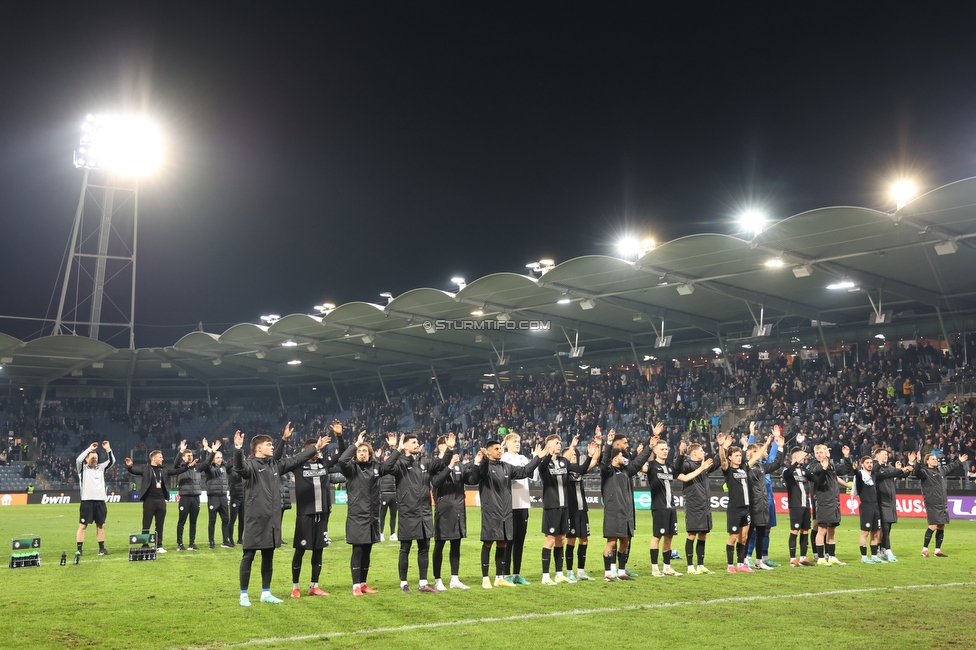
point(938, 311)
point(40, 411)
point(830, 362)
point(385, 394)
point(280, 398)
point(334, 390)
point(561, 369)
point(637, 360)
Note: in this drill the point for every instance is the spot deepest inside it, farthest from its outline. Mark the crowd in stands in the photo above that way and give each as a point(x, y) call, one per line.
point(881, 401)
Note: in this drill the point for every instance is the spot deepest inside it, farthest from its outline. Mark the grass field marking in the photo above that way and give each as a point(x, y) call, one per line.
point(584, 612)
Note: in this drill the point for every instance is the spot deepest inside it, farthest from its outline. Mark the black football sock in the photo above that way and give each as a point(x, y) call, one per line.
point(666, 558)
point(622, 560)
point(654, 554)
point(500, 562)
point(356, 564)
point(296, 565)
point(485, 560)
point(316, 565)
point(874, 549)
point(939, 536)
point(730, 554)
point(558, 553)
point(690, 551)
point(455, 556)
point(546, 558)
point(804, 544)
point(438, 558)
point(700, 552)
point(367, 552)
point(101, 546)
point(740, 552)
point(423, 557)
point(831, 549)
point(864, 551)
point(570, 549)
point(792, 547)
point(245, 571)
point(607, 561)
point(581, 557)
point(267, 568)
point(79, 545)
point(928, 537)
point(403, 563)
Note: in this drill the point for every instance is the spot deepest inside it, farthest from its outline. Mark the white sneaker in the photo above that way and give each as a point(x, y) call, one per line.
point(457, 584)
point(393, 537)
point(439, 585)
point(486, 583)
point(160, 550)
point(762, 565)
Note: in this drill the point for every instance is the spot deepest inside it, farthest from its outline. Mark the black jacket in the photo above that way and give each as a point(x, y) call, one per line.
point(189, 478)
point(494, 480)
point(312, 494)
point(146, 477)
point(450, 518)
point(618, 492)
point(413, 476)
point(262, 496)
point(884, 476)
point(217, 476)
point(362, 496)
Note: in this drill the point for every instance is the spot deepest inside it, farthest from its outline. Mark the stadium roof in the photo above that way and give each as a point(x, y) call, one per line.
point(706, 291)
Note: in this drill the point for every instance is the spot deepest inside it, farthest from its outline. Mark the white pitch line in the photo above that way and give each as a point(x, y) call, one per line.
point(584, 612)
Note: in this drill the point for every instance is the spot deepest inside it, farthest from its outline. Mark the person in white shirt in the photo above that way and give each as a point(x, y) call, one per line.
point(521, 502)
point(91, 481)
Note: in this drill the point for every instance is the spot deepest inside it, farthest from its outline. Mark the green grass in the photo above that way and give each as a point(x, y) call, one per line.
point(190, 599)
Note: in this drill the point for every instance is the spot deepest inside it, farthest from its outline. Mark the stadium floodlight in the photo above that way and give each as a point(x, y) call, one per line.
point(368, 338)
point(459, 281)
point(289, 344)
point(388, 296)
point(325, 308)
point(947, 247)
point(271, 319)
point(752, 221)
point(588, 303)
point(843, 284)
point(902, 192)
point(717, 350)
point(628, 247)
point(125, 145)
point(217, 361)
point(478, 312)
point(686, 289)
point(774, 263)
point(563, 299)
point(541, 267)
point(503, 317)
point(312, 347)
point(260, 354)
point(295, 362)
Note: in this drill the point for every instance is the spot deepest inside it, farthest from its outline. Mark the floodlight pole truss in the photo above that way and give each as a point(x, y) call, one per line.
point(876, 308)
point(113, 255)
point(437, 381)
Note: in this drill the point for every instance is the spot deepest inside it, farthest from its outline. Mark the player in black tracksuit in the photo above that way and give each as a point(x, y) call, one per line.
point(388, 504)
point(759, 508)
point(363, 473)
point(617, 489)
point(884, 475)
point(217, 472)
point(826, 492)
point(261, 473)
point(413, 474)
point(235, 486)
point(865, 488)
point(312, 505)
point(800, 502)
point(189, 490)
point(450, 518)
point(693, 470)
point(933, 480)
point(494, 480)
point(579, 518)
point(738, 516)
point(664, 514)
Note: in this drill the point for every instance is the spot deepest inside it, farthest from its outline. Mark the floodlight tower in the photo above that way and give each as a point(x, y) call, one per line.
point(114, 152)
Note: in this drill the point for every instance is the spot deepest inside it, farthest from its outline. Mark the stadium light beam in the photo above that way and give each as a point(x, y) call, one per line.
point(902, 192)
point(126, 145)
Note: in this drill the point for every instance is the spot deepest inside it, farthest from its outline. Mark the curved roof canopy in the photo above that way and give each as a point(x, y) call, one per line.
point(914, 267)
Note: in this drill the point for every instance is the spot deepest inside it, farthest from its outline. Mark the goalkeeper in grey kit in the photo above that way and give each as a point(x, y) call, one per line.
point(91, 481)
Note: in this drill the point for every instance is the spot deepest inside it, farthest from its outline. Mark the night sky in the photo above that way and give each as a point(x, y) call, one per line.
point(334, 153)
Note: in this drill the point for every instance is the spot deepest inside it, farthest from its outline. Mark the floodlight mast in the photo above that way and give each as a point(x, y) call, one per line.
point(118, 150)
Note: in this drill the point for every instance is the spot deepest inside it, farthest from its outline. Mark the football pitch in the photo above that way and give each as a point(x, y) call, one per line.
point(190, 599)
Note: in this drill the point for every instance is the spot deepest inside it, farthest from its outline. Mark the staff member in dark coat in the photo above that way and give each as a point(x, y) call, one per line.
point(216, 471)
point(362, 472)
point(311, 517)
point(388, 500)
point(884, 475)
point(153, 492)
point(616, 473)
point(189, 490)
point(450, 519)
point(412, 474)
point(826, 492)
point(933, 480)
point(494, 480)
point(261, 474)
